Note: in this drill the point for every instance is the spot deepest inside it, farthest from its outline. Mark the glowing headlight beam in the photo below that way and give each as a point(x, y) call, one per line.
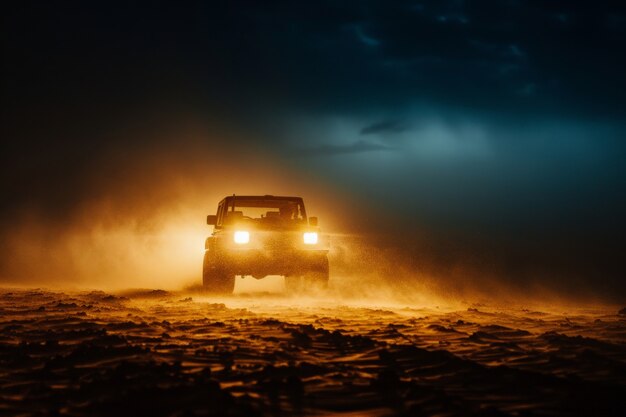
point(241, 237)
point(310, 238)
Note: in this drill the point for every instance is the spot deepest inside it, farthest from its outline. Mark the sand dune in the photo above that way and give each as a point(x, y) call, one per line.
point(158, 353)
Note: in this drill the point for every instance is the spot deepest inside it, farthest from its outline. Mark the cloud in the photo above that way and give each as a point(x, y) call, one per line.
point(387, 126)
point(364, 38)
point(305, 56)
point(328, 149)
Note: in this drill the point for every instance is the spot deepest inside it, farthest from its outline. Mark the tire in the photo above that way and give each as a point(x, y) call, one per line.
point(317, 277)
point(216, 279)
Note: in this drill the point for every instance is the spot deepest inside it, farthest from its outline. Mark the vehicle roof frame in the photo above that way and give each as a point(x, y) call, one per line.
point(228, 200)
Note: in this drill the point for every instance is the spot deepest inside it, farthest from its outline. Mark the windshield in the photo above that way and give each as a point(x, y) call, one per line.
point(266, 211)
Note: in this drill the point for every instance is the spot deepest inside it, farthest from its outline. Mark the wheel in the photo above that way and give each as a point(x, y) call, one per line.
point(215, 278)
point(317, 276)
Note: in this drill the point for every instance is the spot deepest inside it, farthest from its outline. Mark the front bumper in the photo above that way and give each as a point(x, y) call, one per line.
point(259, 262)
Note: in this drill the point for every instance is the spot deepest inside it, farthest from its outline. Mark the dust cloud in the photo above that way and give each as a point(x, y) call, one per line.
point(137, 217)
point(134, 217)
point(123, 318)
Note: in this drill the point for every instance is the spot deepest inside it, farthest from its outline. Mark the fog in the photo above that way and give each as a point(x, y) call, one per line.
point(131, 213)
point(138, 217)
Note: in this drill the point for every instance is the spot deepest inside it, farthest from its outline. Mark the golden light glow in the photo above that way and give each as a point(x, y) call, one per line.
point(310, 238)
point(241, 237)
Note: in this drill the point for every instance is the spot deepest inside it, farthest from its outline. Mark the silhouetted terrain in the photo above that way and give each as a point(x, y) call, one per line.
point(173, 354)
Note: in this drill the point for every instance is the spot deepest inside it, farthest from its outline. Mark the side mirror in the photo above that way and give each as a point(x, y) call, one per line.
point(312, 221)
point(211, 219)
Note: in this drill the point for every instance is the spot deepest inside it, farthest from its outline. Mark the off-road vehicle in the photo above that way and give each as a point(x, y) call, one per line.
point(260, 236)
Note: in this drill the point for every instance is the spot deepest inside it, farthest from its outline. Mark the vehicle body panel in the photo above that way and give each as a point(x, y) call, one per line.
point(276, 246)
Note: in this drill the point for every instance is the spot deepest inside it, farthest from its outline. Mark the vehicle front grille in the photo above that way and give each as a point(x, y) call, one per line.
point(277, 241)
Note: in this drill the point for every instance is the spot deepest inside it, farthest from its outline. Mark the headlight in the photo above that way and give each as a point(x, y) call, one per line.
point(310, 238)
point(241, 237)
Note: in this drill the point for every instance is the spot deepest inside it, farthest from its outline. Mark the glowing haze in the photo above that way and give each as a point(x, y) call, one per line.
point(139, 217)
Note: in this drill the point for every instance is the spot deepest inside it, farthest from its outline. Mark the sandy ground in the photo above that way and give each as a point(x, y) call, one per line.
point(160, 353)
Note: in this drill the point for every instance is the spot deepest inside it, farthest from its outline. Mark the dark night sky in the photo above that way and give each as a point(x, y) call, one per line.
point(494, 129)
